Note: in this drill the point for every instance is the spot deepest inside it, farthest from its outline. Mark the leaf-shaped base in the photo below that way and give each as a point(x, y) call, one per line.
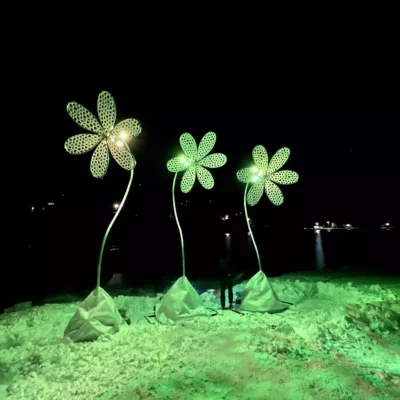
point(181, 301)
point(259, 296)
point(97, 315)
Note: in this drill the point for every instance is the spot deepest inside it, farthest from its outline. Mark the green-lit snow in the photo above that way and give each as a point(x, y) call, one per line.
point(340, 341)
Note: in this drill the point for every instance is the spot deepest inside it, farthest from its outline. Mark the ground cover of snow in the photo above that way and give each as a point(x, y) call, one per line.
point(341, 340)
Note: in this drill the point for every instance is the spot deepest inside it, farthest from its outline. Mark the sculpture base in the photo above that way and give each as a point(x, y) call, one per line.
point(97, 315)
point(259, 296)
point(181, 302)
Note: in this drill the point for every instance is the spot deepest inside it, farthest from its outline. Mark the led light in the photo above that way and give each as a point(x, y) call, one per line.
point(123, 135)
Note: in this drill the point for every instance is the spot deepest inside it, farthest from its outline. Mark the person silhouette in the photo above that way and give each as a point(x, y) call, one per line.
point(226, 276)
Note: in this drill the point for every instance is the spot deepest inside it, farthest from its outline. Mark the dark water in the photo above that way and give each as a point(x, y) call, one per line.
point(152, 255)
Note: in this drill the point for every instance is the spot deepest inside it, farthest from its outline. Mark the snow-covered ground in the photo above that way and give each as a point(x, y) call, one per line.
point(340, 341)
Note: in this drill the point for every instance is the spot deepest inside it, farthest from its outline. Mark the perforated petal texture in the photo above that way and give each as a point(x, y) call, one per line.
point(278, 160)
point(188, 145)
point(274, 193)
point(260, 157)
point(121, 155)
point(176, 165)
point(84, 118)
point(245, 175)
point(100, 160)
point(255, 193)
point(106, 110)
point(82, 143)
point(206, 144)
point(214, 160)
point(131, 127)
point(285, 177)
point(188, 179)
point(205, 178)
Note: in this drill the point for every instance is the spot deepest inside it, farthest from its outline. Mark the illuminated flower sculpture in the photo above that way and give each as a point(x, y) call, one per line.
point(182, 300)
point(97, 314)
point(259, 295)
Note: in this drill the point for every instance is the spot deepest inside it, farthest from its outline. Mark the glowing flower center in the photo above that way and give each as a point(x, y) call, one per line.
point(186, 161)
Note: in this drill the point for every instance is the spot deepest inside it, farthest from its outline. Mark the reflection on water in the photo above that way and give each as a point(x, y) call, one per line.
point(319, 251)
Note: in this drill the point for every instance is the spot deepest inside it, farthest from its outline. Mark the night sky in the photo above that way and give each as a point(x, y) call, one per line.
point(346, 156)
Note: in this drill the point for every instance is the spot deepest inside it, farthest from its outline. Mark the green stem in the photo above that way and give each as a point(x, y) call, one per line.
point(179, 226)
point(249, 226)
point(109, 229)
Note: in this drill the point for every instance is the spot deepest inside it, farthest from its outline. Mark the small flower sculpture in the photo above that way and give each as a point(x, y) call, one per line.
point(195, 160)
point(265, 175)
point(182, 300)
point(259, 295)
point(104, 135)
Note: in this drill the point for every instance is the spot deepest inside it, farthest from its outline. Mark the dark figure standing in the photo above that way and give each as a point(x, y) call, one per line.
point(226, 276)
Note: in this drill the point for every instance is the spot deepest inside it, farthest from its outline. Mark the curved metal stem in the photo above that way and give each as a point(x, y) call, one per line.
point(249, 226)
point(179, 226)
point(109, 229)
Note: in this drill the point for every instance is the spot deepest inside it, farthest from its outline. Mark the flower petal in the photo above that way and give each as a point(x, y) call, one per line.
point(84, 117)
point(260, 157)
point(255, 193)
point(285, 177)
point(100, 160)
point(206, 144)
point(245, 175)
point(106, 110)
point(188, 145)
point(279, 158)
point(176, 165)
point(215, 160)
point(127, 129)
point(205, 178)
point(188, 179)
point(274, 193)
point(83, 143)
point(122, 155)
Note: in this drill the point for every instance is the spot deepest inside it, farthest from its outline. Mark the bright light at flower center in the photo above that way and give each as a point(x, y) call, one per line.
point(255, 179)
point(260, 173)
point(123, 135)
point(255, 169)
point(119, 143)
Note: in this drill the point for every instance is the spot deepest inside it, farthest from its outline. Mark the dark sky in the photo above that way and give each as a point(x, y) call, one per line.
point(346, 155)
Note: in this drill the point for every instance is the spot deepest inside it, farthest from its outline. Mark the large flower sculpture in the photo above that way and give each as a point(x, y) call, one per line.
point(195, 160)
point(97, 315)
point(103, 134)
point(265, 175)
